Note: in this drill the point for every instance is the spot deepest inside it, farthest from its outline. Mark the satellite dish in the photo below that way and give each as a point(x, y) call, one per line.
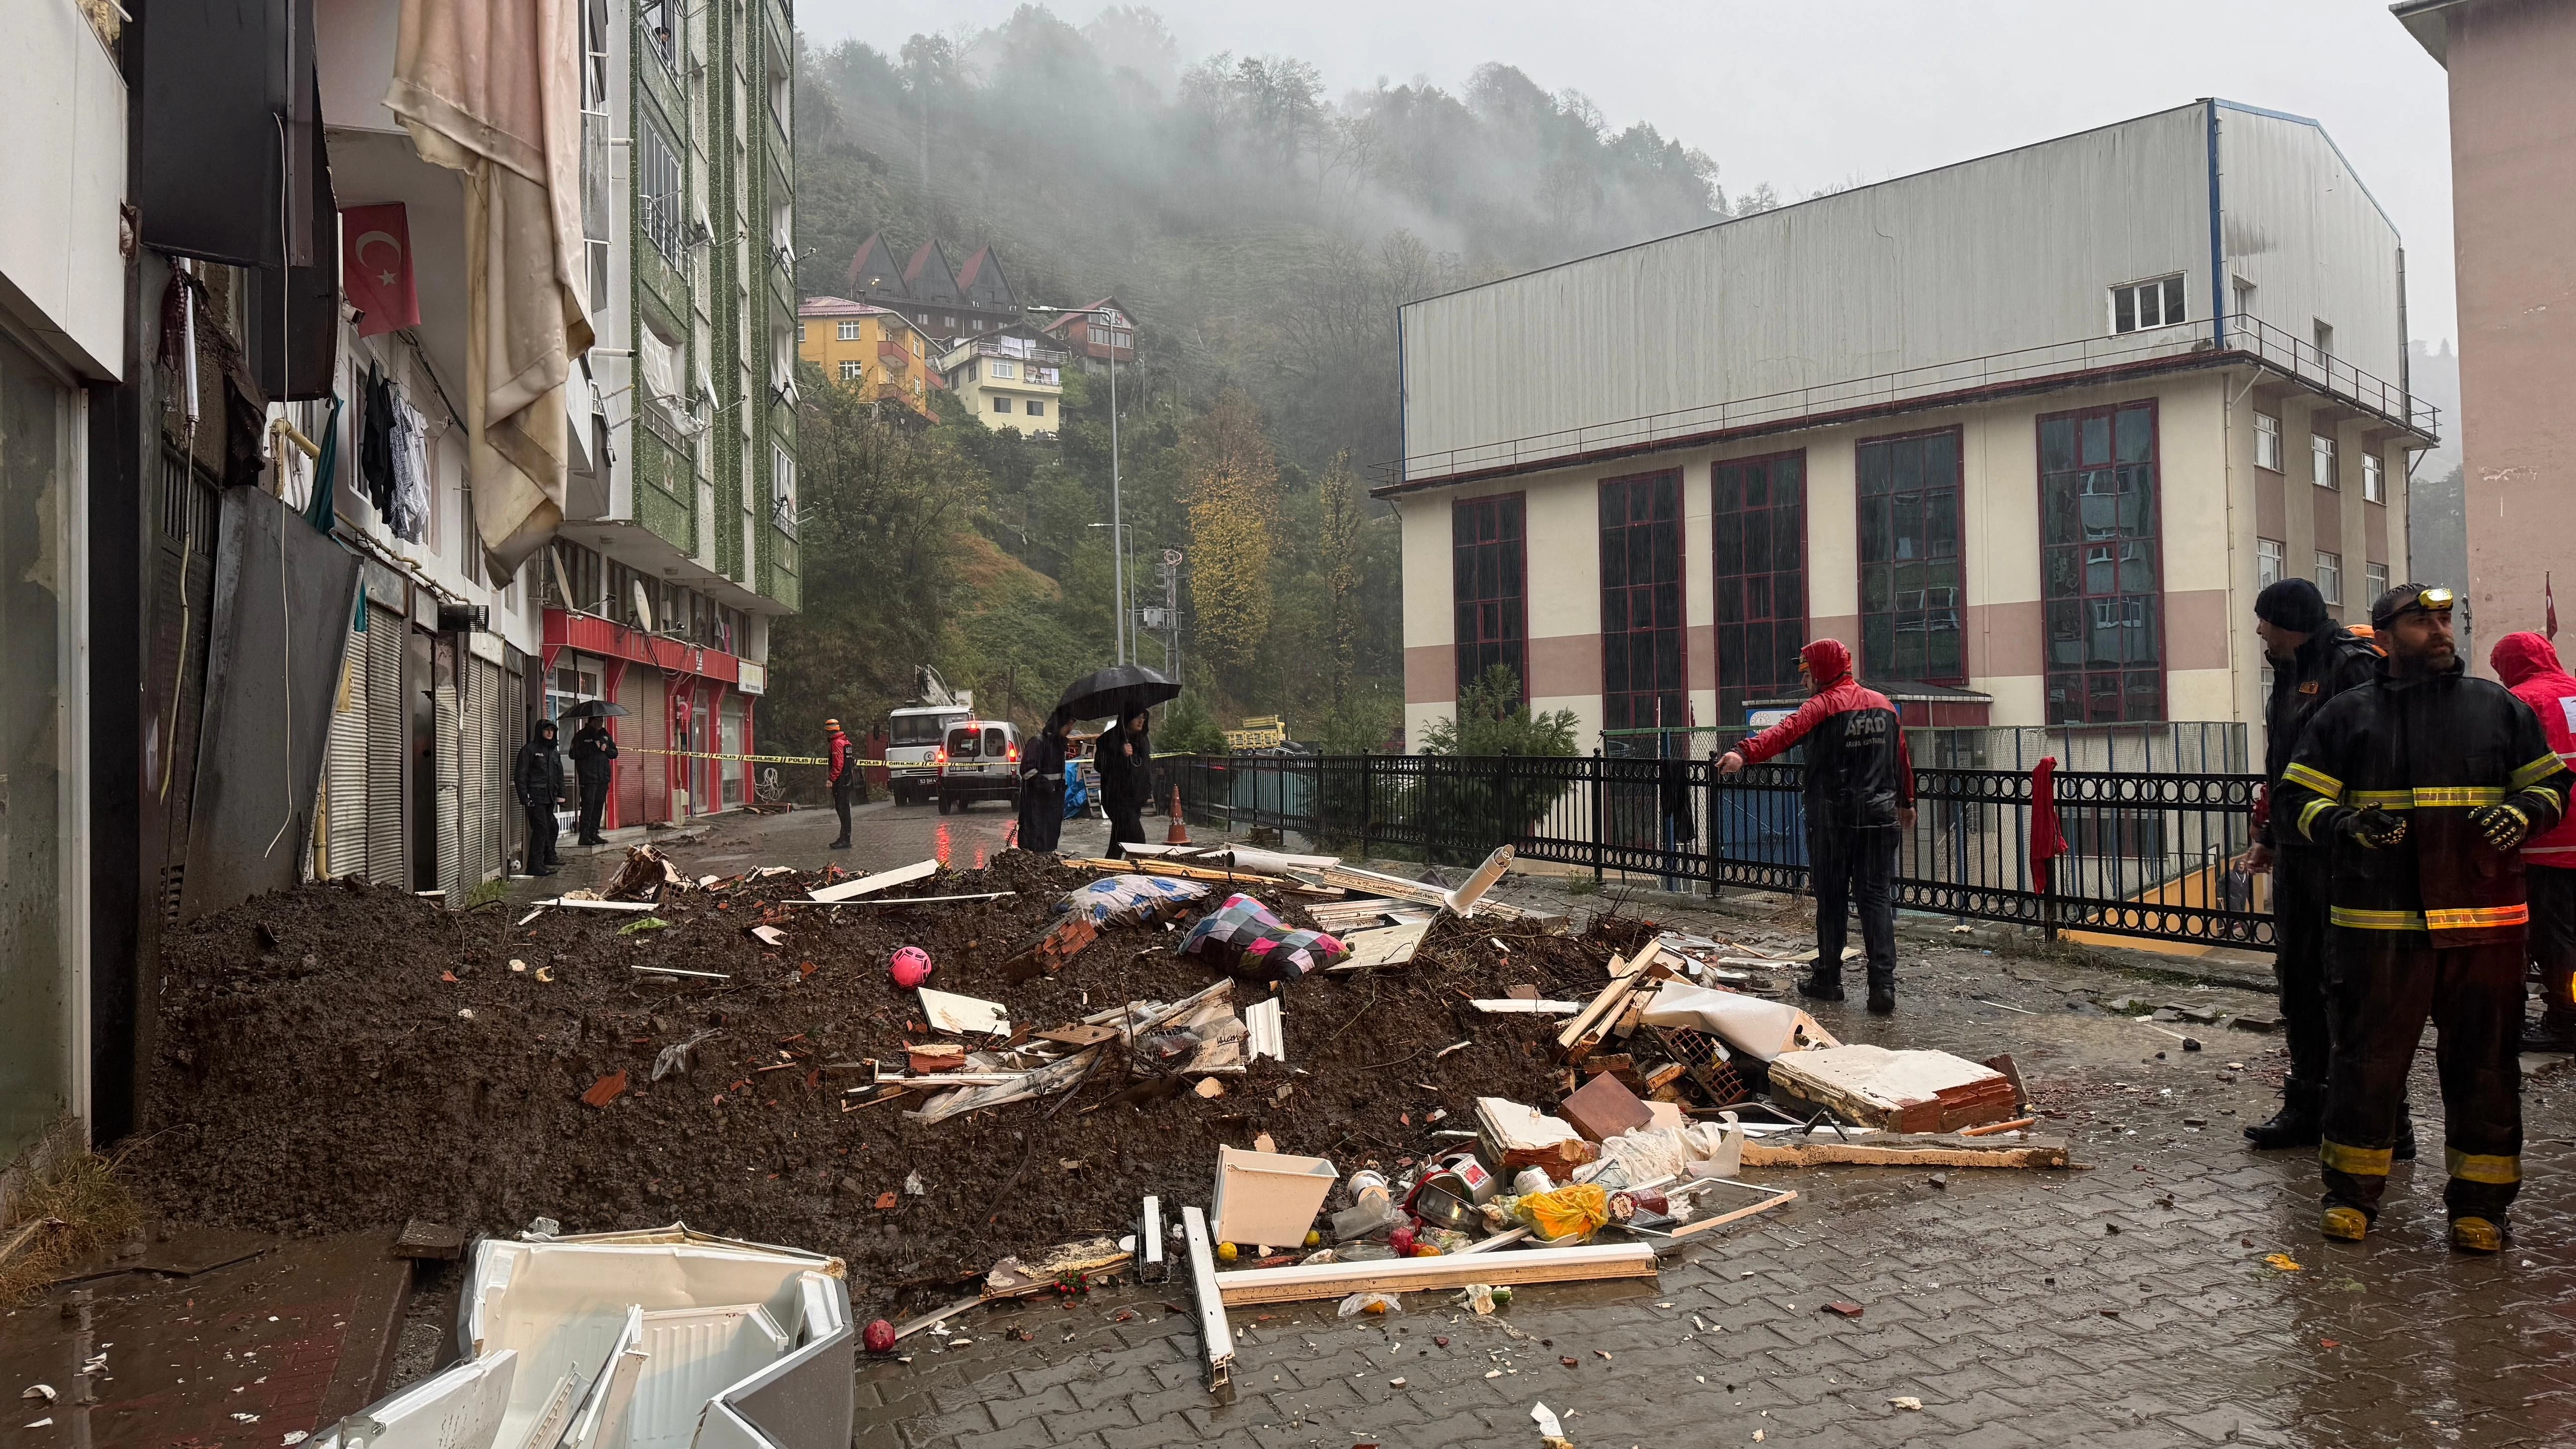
point(643, 605)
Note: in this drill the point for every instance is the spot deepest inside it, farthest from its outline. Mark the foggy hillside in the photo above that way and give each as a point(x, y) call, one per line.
point(1262, 230)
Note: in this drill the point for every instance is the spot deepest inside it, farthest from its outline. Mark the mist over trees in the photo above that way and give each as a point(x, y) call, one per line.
point(1263, 233)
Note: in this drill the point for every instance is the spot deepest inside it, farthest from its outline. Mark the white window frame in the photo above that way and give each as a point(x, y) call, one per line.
point(2321, 462)
point(1000, 368)
point(849, 331)
point(782, 489)
point(2269, 554)
point(2267, 442)
point(2330, 576)
point(851, 368)
point(2165, 293)
point(2374, 479)
point(659, 191)
point(2375, 578)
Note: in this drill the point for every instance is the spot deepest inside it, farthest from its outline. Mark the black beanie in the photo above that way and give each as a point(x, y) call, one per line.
point(2292, 604)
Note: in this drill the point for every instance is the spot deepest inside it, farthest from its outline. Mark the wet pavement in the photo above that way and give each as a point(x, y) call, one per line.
point(2128, 1303)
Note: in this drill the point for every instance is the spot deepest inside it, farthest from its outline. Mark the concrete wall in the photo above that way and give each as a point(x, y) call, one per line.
point(2211, 497)
point(62, 108)
point(2513, 189)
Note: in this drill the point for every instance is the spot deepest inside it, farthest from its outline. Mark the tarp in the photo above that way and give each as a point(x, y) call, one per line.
point(283, 596)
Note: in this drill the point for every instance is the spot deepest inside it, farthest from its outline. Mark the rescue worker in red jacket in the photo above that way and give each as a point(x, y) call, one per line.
point(842, 773)
point(1860, 794)
point(2528, 665)
point(2426, 783)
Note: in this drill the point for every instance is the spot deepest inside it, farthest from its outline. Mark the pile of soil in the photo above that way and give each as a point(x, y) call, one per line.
point(340, 1058)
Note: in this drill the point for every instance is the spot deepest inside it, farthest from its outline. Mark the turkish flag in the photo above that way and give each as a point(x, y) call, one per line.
point(375, 267)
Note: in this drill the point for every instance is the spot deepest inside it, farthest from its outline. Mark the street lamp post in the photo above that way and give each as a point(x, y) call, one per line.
point(1117, 530)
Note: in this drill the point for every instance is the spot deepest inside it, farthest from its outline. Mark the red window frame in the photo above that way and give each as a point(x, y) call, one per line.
point(1760, 613)
point(1489, 586)
point(1642, 624)
point(2101, 565)
point(1936, 583)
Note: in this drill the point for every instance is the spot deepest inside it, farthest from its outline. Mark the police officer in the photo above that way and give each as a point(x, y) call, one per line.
point(1860, 794)
point(2312, 662)
point(593, 752)
point(536, 776)
point(2426, 782)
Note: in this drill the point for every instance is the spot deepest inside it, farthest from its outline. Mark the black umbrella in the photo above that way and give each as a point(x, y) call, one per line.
point(601, 708)
point(1115, 693)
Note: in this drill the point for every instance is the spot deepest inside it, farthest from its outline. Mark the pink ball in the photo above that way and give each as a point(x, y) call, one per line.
point(910, 967)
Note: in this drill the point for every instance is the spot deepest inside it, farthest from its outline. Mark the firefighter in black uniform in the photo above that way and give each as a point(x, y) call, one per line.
point(2426, 783)
point(2312, 662)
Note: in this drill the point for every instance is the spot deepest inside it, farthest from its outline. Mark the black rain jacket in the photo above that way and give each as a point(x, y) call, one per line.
point(2331, 662)
point(537, 774)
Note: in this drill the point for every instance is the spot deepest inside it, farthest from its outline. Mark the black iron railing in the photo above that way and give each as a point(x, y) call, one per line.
point(2148, 853)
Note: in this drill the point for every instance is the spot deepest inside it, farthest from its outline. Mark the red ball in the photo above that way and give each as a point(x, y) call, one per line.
point(880, 1337)
point(910, 966)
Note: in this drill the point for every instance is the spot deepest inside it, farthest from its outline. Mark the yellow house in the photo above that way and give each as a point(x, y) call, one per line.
point(870, 348)
point(1009, 377)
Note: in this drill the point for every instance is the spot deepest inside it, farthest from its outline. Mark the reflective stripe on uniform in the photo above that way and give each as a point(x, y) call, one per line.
point(2437, 797)
point(2537, 771)
point(2308, 814)
point(2355, 1161)
point(2315, 779)
point(2479, 1167)
point(2361, 920)
point(2384, 799)
point(2471, 918)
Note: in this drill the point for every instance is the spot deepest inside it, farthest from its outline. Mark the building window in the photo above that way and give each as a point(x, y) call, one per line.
point(2099, 573)
point(2244, 297)
point(1641, 602)
point(1758, 531)
point(1001, 404)
point(2374, 482)
point(656, 15)
point(2141, 305)
point(849, 371)
point(782, 497)
point(1004, 369)
point(2375, 578)
point(2330, 577)
point(2325, 342)
point(657, 184)
point(1037, 407)
point(849, 332)
point(800, 333)
point(1910, 593)
point(2267, 442)
point(1487, 561)
point(2321, 460)
point(2268, 554)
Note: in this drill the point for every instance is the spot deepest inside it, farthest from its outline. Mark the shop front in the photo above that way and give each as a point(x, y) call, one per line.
point(688, 719)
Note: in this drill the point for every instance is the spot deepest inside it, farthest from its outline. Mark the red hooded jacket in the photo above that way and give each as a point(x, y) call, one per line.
point(1858, 772)
point(2528, 665)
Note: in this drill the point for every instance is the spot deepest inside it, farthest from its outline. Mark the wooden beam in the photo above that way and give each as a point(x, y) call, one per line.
point(883, 880)
point(1303, 1281)
point(1767, 1204)
point(1926, 1150)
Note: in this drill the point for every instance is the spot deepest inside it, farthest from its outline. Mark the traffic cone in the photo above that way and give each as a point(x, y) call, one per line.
point(1179, 834)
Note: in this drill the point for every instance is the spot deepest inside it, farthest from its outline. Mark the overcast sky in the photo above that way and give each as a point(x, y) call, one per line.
point(1807, 95)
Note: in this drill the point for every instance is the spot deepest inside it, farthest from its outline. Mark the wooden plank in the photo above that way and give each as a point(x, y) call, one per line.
point(1214, 1336)
point(1391, 946)
point(1764, 1206)
point(1602, 1001)
point(1991, 1128)
point(883, 880)
point(1927, 1150)
point(560, 903)
point(1303, 1281)
point(909, 900)
point(1524, 1006)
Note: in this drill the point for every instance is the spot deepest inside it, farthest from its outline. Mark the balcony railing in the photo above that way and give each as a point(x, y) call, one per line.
point(2248, 339)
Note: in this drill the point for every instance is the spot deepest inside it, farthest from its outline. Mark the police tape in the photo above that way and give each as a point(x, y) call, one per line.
point(714, 755)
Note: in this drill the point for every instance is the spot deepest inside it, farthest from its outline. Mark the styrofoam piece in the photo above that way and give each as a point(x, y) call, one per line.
point(882, 880)
point(658, 1339)
point(1268, 1033)
point(1268, 1197)
point(1764, 1030)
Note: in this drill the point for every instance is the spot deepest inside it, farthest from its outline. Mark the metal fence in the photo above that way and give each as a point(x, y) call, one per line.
point(2149, 844)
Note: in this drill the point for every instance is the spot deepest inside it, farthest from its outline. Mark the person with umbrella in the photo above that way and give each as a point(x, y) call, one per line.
point(1042, 774)
point(1124, 754)
point(593, 747)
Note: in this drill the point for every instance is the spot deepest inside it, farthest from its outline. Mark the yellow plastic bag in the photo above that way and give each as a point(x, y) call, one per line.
point(1575, 1211)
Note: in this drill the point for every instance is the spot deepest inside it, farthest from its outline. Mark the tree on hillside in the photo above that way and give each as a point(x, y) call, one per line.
point(1345, 549)
point(1233, 480)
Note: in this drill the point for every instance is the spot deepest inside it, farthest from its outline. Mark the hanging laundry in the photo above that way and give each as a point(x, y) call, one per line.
point(376, 442)
point(411, 473)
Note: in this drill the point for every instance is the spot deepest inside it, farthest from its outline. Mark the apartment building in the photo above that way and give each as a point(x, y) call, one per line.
point(943, 301)
point(877, 350)
point(2029, 432)
point(1009, 378)
point(1099, 336)
point(680, 545)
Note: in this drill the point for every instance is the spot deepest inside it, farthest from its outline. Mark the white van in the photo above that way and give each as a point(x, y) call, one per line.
point(915, 736)
point(979, 761)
